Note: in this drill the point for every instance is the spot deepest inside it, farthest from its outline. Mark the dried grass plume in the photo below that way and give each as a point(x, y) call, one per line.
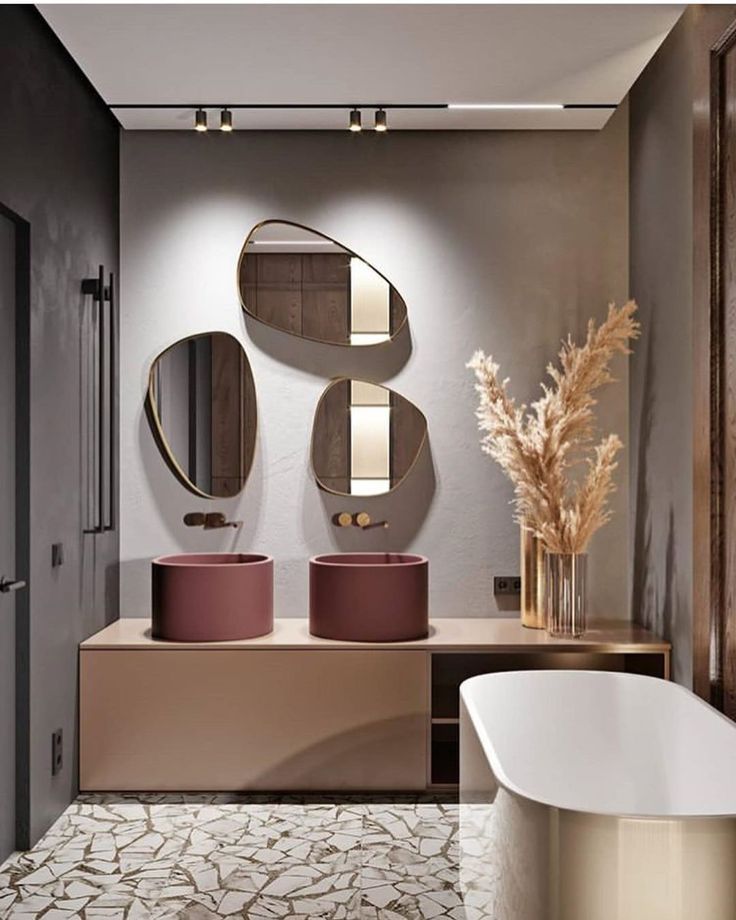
point(562, 481)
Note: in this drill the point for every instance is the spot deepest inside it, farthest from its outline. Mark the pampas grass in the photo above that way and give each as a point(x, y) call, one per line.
point(562, 481)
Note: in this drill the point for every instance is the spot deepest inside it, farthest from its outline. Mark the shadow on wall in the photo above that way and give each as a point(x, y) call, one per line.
point(659, 614)
point(641, 609)
point(173, 500)
point(375, 363)
point(405, 509)
point(671, 606)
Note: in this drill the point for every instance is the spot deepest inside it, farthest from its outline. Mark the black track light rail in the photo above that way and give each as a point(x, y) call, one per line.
point(323, 105)
point(280, 105)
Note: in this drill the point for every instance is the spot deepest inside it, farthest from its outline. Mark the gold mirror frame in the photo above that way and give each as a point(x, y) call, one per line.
point(336, 381)
point(159, 434)
point(350, 252)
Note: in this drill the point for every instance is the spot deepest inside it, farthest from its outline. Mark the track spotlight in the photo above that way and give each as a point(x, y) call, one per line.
point(200, 120)
point(355, 122)
point(226, 120)
point(379, 123)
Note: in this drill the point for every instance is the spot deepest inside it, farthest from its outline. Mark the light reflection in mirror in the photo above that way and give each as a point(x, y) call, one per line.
point(366, 438)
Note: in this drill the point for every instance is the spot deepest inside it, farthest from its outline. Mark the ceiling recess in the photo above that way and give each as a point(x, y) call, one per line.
point(463, 66)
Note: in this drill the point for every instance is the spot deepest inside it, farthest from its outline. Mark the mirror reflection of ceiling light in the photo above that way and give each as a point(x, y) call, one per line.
point(290, 242)
point(200, 121)
point(370, 305)
point(370, 439)
point(379, 123)
point(355, 122)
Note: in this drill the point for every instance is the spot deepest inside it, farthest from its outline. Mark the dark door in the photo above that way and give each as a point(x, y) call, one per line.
point(715, 611)
point(9, 586)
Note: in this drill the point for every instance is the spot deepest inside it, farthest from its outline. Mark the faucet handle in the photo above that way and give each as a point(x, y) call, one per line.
point(360, 519)
point(343, 519)
point(194, 519)
point(363, 520)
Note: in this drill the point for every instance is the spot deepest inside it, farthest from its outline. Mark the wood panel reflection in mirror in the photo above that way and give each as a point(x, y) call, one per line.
point(366, 438)
point(305, 283)
point(201, 405)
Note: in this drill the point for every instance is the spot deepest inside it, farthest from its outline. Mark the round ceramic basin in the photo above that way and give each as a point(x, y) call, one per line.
point(209, 597)
point(369, 597)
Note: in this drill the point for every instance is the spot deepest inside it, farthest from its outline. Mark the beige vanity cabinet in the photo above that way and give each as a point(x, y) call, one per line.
point(292, 712)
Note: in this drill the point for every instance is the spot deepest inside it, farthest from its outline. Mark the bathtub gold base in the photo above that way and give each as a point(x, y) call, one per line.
point(606, 868)
point(524, 861)
point(525, 858)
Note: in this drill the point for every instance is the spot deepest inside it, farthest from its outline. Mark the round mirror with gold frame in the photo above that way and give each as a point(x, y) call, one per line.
point(305, 283)
point(201, 405)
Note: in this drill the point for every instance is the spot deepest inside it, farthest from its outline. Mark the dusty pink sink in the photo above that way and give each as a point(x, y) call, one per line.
point(207, 597)
point(368, 597)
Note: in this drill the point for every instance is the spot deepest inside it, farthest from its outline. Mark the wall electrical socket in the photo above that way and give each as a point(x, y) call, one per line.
point(57, 751)
point(506, 584)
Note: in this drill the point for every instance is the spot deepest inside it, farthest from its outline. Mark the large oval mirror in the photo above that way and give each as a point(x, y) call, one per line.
point(309, 285)
point(201, 404)
point(366, 438)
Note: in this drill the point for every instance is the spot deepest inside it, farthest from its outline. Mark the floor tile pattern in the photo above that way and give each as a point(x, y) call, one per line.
point(196, 857)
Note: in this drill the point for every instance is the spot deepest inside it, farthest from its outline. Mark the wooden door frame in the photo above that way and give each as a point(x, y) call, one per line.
point(714, 35)
point(23, 522)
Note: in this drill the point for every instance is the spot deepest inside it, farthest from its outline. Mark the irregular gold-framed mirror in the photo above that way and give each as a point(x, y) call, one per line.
point(366, 438)
point(201, 405)
point(309, 285)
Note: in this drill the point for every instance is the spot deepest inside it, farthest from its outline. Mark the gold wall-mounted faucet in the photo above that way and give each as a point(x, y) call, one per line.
point(360, 519)
point(212, 520)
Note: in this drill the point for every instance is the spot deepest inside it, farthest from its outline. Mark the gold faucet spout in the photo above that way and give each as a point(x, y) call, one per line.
point(213, 520)
point(363, 520)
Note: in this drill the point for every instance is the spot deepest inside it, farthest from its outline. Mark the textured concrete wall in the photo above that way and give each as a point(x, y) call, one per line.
point(500, 240)
point(661, 168)
point(59, 171)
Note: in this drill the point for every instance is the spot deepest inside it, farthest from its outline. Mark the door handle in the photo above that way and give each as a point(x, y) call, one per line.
point(7, 585)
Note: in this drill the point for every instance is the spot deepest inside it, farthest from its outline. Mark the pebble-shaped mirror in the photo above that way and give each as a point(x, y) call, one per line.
point(201, 405)
point(366, 438)
point(304, 283)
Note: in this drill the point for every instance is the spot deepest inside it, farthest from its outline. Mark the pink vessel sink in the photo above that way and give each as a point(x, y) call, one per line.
point(369, 597)
point(208, 597)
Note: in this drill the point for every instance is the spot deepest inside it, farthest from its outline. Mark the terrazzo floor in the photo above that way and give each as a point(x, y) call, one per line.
point(124, 857)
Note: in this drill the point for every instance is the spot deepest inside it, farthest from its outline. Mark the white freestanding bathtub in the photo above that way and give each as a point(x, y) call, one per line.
point(588, 795)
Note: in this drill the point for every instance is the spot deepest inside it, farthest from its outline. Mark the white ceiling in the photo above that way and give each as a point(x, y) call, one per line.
point(345, 53)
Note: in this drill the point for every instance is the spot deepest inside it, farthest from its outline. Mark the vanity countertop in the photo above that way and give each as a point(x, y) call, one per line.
point(446, 634)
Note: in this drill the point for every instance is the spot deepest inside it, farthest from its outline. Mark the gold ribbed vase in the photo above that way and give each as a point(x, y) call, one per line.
point(532, 581)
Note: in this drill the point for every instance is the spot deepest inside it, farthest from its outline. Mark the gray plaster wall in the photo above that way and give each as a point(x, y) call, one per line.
point(500, 240)
point(661, 169)
point(59, 171)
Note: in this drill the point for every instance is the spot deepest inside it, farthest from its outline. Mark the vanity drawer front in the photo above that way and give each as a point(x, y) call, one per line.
point(222, 719)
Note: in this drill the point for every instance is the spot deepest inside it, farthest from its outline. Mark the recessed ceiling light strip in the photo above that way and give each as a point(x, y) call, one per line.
point(506, 106)
point(530, 106)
